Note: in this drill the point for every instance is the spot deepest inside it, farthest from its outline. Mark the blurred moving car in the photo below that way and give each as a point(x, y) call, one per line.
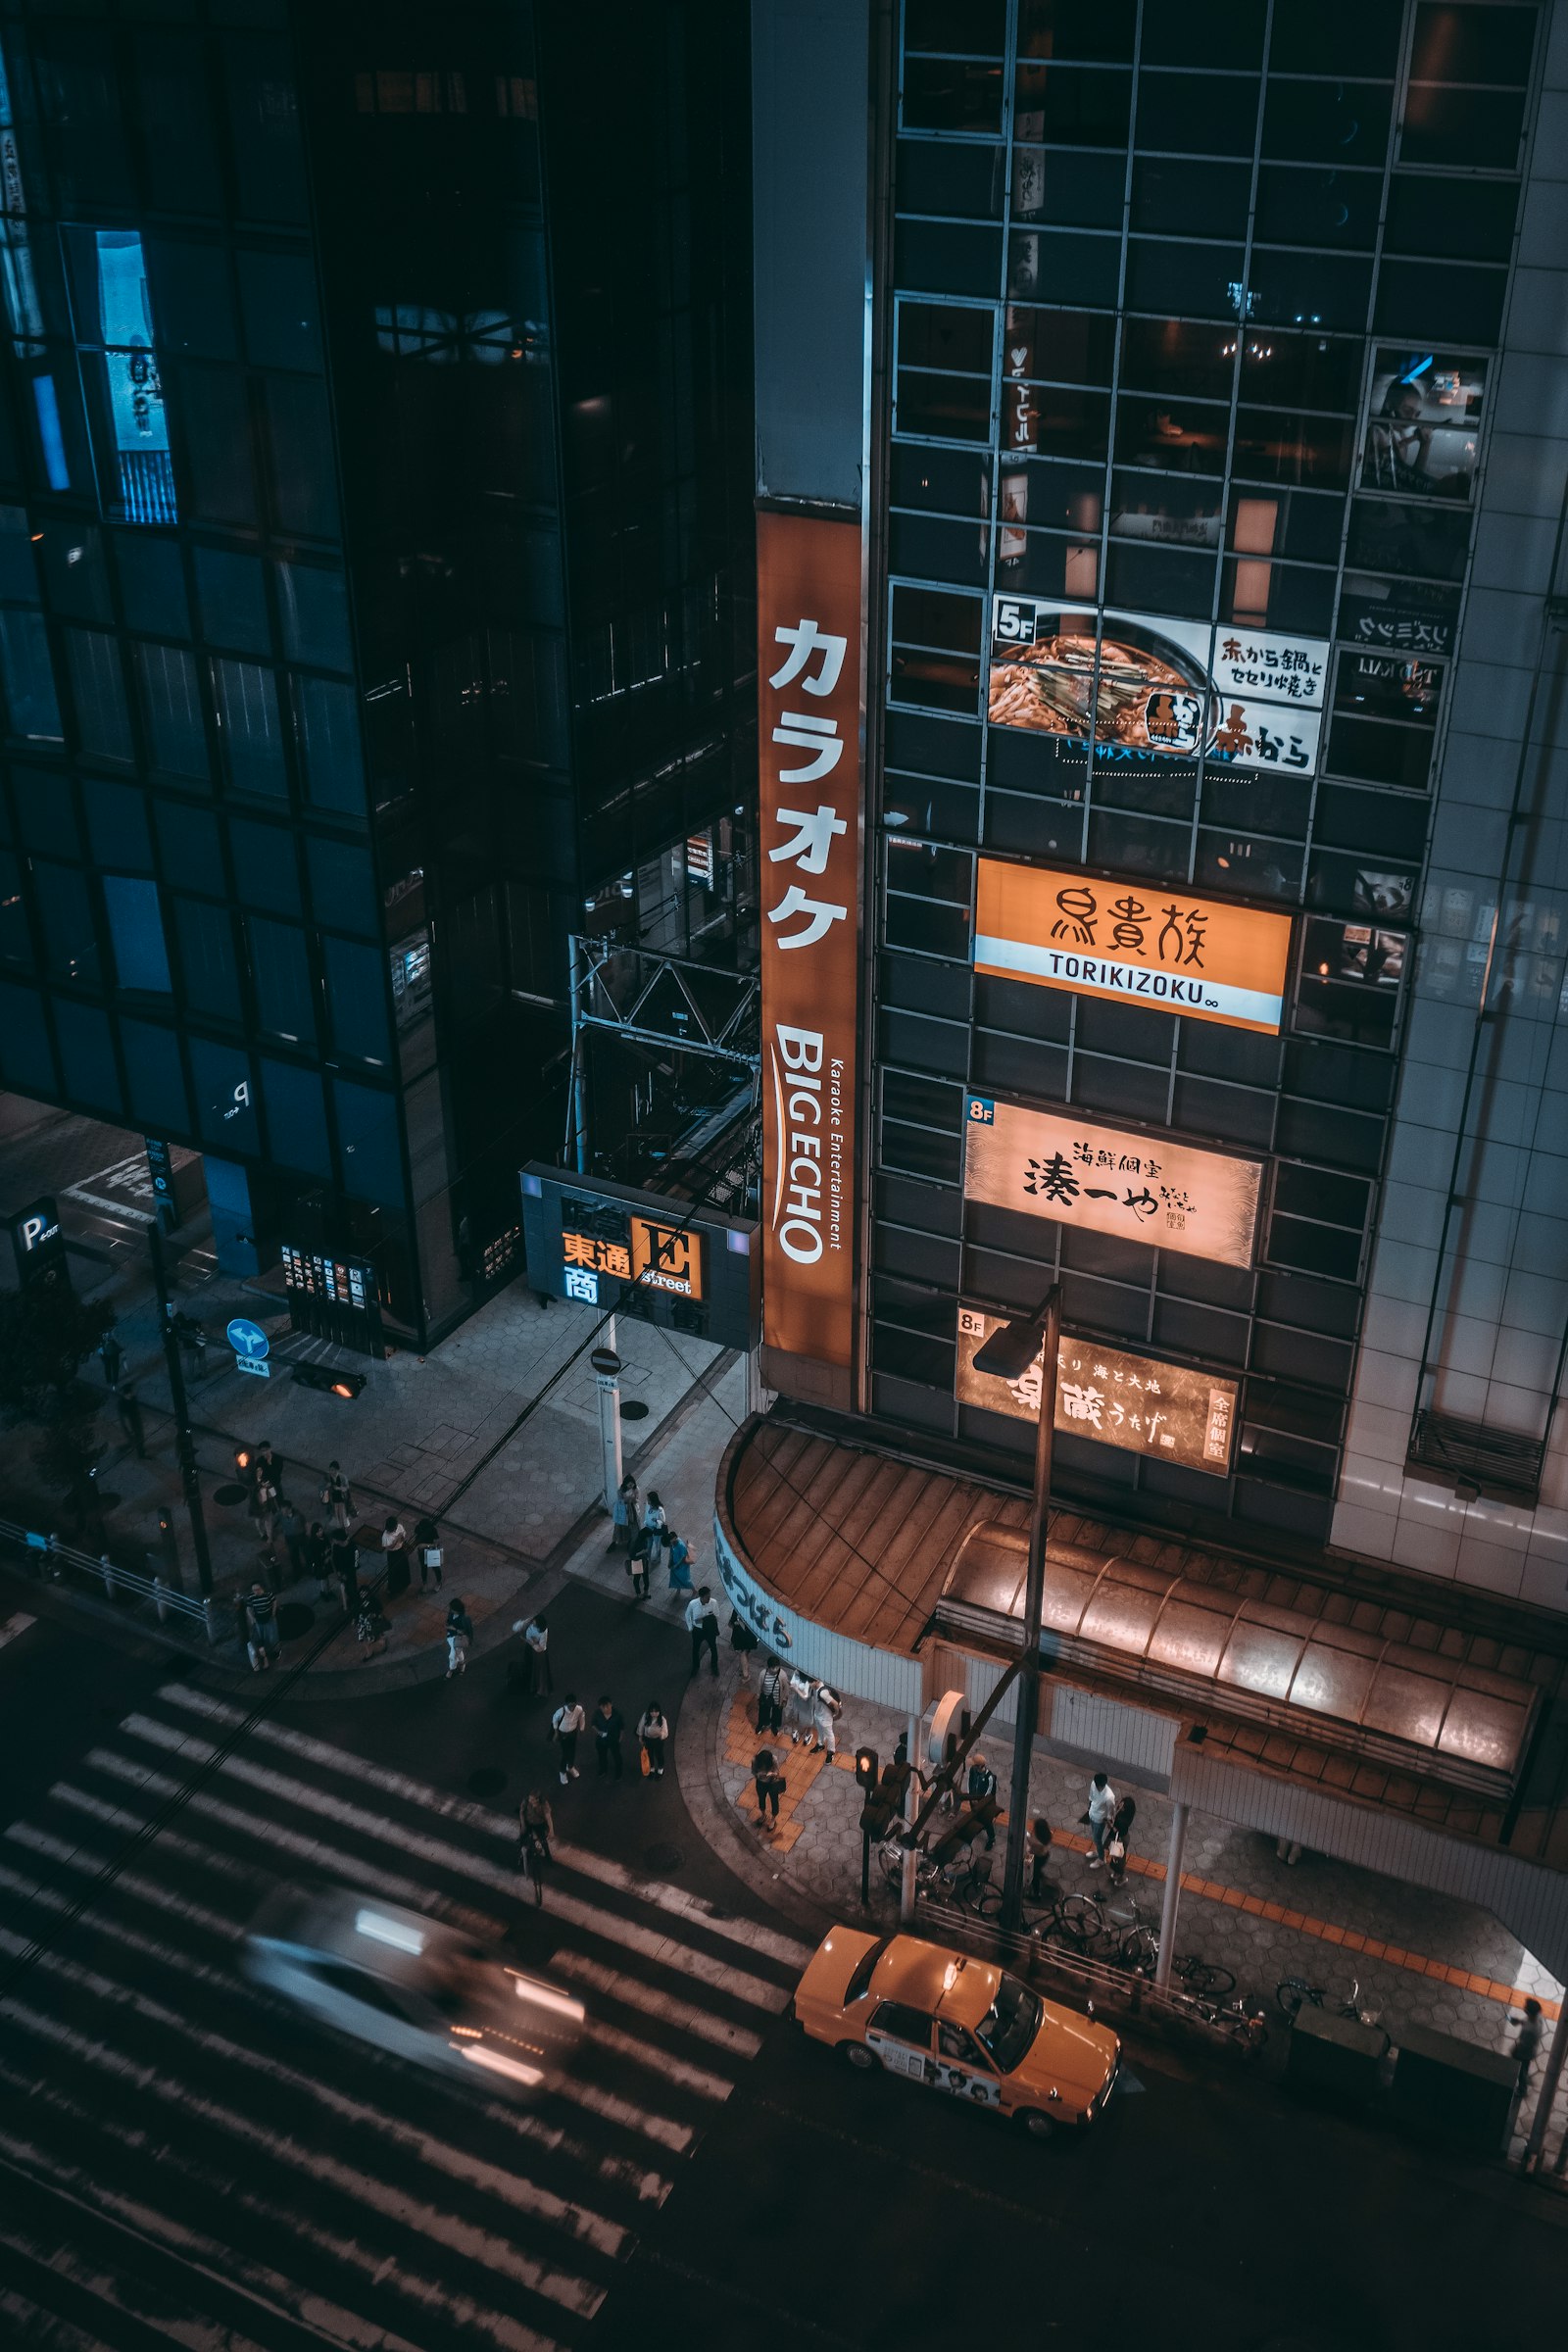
point(411, 1986)
point(957, 2024)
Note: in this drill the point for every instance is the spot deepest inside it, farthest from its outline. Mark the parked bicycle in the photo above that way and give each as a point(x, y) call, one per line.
point(1243, 2021)
point(1293, 1991)
point(1137, 1948)
point(965, 1881)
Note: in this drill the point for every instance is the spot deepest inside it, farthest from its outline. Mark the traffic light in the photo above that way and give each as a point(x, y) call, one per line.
point(322, 1376)
point(866, 1764)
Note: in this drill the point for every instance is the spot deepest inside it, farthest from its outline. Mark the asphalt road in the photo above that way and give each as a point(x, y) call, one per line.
point(180, 2161)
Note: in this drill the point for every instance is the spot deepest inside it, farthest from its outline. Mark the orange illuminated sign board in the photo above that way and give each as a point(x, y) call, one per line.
point(1111, 1394)
point(1134, 1187)
point(1134, 943)
point(666, 1257)
point(808, 694)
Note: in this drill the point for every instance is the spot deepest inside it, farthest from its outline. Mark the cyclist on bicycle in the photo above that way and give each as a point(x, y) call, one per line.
point(536, 1829)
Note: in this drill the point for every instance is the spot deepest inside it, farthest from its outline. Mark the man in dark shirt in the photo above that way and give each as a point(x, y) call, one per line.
point(608, 1724)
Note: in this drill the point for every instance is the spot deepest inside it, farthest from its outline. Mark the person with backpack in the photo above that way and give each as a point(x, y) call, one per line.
point(743, 1641)
point(371, 1627)
point(460, 1633)
point(771, 1694)
point(769, 1784)
point(652, 1730)
point(536, 1829)
point(565, 1725)
point(826, 1708)
point(981, 1790)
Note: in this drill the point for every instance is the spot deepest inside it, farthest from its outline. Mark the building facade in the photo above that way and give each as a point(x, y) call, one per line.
point(1195, 391)
point(377, 576)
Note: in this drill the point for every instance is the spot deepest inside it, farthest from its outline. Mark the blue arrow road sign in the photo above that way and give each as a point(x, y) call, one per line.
point(247, 1339)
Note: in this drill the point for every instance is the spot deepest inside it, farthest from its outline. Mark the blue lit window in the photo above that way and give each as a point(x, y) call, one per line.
point(137, 930)
point(113, 311)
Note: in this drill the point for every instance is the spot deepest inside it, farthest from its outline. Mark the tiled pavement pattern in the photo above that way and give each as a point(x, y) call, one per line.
point(801, 1766)
point(1419, 1958)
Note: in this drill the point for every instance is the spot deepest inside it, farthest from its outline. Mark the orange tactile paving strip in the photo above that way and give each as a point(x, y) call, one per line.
point(742, 1740)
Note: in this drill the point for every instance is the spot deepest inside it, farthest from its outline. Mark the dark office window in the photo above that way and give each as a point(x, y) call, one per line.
point(1477, 129)
point(1059, 347)
point(264, 120)
point(1272, 445)
point(1198, 114)
point(296, 1118)
point(266, 866)
point(356, 998)
point(1285, 369)
point(152, 583)
point(1314, 205)
point(207, 959)
point(1460, 218)
point(195, 306)
point(1072, 106)
point(343, 886)
point(216, 423)
point(313, 603)
point(116, 825)
point(1181, 436)
point(280, 971)
point(1072, 424)
point(173, 709)
point(936, 648)
point(231, 599)
point(1047, 265)
point(31, 711)
point(249, 728)
point(188, 845)
point(1185, 198)
point(1065, 30)
point(87, 1056)
point(329, 743)
point(1337, 36)
point(71, 943)
point(18, 576)
point(1352, 977)
point(137, 934)
point(1340, 122)
point(1068, 186)
point(975, 28)
point(16, 942)
point(948, 175)
point(369, 1159)
point(76, 575)
point(174, 115)
point(155, 1077)
point(300, 441)
point(277, 301)
point(102, 725)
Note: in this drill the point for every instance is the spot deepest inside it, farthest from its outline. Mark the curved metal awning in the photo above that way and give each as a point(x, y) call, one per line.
point(1209, 1649)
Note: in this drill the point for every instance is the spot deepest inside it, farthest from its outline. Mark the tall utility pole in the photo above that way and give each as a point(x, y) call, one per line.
point(184, 1446)
point(1007, 1355)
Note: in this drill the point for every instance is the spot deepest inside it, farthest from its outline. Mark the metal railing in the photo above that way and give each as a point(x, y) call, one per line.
point(1101, 1986)
point(48, 1557)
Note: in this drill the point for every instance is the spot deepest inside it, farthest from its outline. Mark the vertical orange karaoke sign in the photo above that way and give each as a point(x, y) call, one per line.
point(808, 746)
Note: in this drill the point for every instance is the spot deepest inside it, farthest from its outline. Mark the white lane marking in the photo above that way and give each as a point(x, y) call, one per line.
point(660, 2129)
point(219, 2261)
point(276, 1840)
point(16, 1623)
point(582, 1969)
point(657, 1891)
point(63, 2262)
point(34, 2326)
point(665, 1950)
point(146, 1891)
point(607, 2238)
point(627, 2045)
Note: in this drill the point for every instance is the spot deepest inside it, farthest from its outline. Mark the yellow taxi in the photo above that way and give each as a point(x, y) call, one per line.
point(957, 2024)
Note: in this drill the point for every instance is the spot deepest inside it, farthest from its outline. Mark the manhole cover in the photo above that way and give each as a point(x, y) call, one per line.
point(662, 1857)
point(230, 1494)
point(488, 1780)
point(636, 1410)
point(294, 1619)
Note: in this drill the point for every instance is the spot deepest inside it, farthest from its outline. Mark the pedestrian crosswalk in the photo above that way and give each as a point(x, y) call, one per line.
point(182, 2159)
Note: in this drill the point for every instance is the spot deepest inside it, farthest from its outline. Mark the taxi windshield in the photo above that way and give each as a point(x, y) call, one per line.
point(1010, 2024)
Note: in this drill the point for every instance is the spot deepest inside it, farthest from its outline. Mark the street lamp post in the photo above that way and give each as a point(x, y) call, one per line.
point(1007, 1355)
point(607, 1380)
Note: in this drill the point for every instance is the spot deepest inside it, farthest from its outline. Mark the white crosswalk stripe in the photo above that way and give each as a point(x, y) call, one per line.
point(174, 2106)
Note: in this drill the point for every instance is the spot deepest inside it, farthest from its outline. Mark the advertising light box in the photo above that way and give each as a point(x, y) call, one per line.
point(1112, 1394)
point(1145, 686)
point(1139, 945)
point(1137, 1188)
point(641, 1253)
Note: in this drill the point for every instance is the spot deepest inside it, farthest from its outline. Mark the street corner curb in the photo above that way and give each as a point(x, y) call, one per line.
point(699, 1722)
point(424, 1666)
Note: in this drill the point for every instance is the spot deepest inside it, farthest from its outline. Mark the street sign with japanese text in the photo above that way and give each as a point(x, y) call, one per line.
point(1111, 1394)
point(808, 694)
point(1134, 1186)
point(1136, 941)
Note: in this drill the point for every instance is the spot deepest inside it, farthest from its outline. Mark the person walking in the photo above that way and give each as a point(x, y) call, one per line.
point(769, 1784)
point(536, 1675)
point(701, 1622)
point(743, 1641)
point(316, 1555)
point(338, 1497)
point(680, 1562)
point(264, 1464)
point(460, 1633)
point(260, 1637)
point(1121, 1830)
point(371, 1627)
point(609, 1725)
point(428, 1544)
point(345, 1558)
point(291, 1528)
point(640, 1560)
point(981, 1788)
point(623, 1515)
point(826, 1708)
point(395, 1554)
point(652, 1730)
point(771, 1692)
point(110, 1356)
point(1102, 1801)
point(1037, 1845)
point(656, 1523)
point(565, 1725)
point(263, 1512)
point(536, 1829)
point(802, 1710)
point(127, 1404)
point(1526, 2049)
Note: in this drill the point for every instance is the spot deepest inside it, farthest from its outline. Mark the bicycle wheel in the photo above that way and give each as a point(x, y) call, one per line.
point(1292, 1993)
point(1204, 1975)
point(1078, 1923)
point(1140, 1950)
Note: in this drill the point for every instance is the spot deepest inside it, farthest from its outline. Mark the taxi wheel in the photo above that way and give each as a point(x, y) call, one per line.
point(855, 2054)
point(1036, 2123)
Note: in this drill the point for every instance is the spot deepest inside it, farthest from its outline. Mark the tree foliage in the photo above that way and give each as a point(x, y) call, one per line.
point(46, 1334)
